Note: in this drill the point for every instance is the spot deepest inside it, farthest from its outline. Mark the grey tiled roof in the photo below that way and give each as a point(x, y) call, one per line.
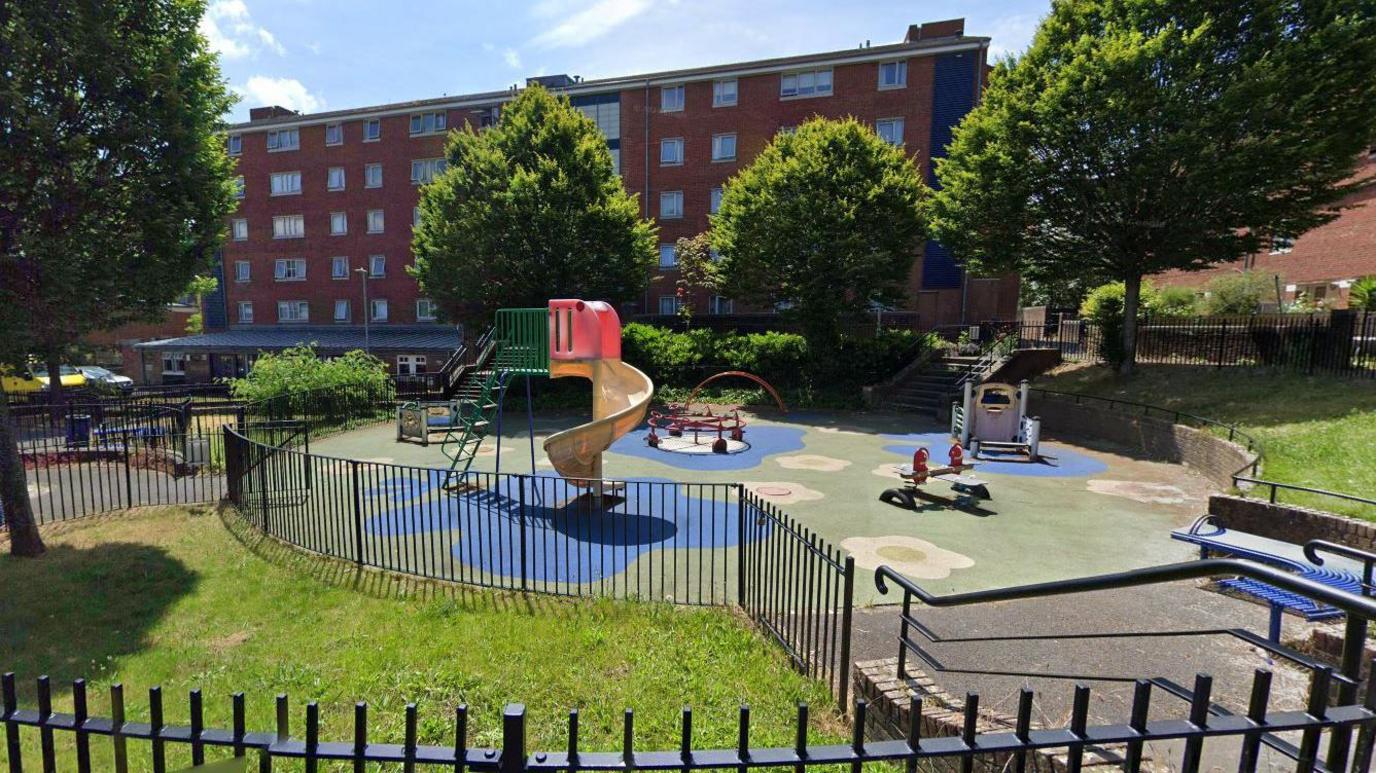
point(419, 339)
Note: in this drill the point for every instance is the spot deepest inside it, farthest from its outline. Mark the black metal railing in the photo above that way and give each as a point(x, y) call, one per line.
point(1205, 716)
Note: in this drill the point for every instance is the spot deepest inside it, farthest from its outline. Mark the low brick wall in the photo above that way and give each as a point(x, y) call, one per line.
point(943, 715)
point(1290, 523)
point(1157, 439)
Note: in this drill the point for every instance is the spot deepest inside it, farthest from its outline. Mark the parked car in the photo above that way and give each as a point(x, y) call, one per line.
point(20, 382)
point(71, 377)
point(106, 379)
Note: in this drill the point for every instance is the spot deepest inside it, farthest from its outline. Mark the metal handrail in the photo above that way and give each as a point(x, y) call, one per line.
point(1274, 485)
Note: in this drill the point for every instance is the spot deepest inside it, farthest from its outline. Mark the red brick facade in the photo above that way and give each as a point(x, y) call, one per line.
point(1321, 263)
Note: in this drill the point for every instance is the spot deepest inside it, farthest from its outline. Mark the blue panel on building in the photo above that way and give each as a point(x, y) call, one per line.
point(213, 306)
point(953, 95)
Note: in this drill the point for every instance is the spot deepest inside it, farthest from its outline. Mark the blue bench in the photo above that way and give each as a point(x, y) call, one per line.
point(1212, 538)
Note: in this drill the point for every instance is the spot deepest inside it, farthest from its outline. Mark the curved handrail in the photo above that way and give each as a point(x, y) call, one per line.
point(1313, 547)
point(742, 374)
point(1357, 606)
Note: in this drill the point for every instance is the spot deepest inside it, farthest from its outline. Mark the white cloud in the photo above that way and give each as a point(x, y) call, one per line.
point(512, 58)
point(1011, 34)
point(290, 93)
point(589, 24)
point(232, 33)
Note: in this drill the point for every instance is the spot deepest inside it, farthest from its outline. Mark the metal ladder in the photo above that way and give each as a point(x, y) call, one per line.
point(473, 421)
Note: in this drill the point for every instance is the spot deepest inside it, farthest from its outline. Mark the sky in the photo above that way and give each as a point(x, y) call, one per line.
point(314, 55)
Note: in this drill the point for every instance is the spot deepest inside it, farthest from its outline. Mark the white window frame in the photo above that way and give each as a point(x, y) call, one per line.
point(407, 364)
point(415, 216)
point(799, 91)
point(238, 229)
point(338, 129)
point(174, 363)
point(299, 311)
point(669, 251)
point(374, 305)
point(284, 184)
point(372, 126)
point(714, 200)
point(243, 271)
point(368, 170)
point(674, 304)
point(719, 96)
point(377, 266)
point(240, 187)
point(438, 121)
point(891, 123)
point(285, 233)
point(425, 170)
point(235, 145)
point(720, 304)
point(900, 69)
point(381, 221)
point(1281, 244)
point(675, 105)
point(668, 143)
point(276, 137)
point(289, 270)
point(671, 196)
point(426, 316)
point(348, 307)
point(335, 264)
point(343, 221)
point(718, 141)
point(330, 178)
point(245, 306)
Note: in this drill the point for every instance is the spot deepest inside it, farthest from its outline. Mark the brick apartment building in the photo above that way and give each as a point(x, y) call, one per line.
point(328, 200)
point(1322, 264)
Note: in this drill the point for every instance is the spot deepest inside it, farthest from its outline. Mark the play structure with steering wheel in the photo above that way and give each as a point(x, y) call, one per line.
point(570, 338)
point(985, 422)
point(684, 428)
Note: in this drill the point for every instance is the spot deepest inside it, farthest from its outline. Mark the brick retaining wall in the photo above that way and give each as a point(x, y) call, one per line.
point(1158, 439)
point(1290, 523)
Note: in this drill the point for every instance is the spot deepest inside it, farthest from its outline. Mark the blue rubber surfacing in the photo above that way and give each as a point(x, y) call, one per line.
point(765, 440)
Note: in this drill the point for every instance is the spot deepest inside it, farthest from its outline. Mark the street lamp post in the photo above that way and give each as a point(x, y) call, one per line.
point(367, 313)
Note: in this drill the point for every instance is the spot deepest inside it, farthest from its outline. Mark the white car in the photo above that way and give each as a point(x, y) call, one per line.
point(103, 377)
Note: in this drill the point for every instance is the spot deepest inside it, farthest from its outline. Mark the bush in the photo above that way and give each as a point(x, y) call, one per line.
point(1362, 296)
point(299, 370)
point(1240, 293)
point(1174, 301)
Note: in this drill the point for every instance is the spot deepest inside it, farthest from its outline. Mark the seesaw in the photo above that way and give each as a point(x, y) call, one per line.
point(969, 490)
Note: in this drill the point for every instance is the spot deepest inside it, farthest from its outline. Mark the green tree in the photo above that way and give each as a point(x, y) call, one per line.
point(1362, 295)
point(1241, 293)
point(200, 287)
point(1136, 136)
point(528, 210)
point(114, 181)
point(697, 272)
point(827, 219)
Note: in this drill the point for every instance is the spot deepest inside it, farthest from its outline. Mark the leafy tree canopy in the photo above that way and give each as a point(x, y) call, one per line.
point(528, 210)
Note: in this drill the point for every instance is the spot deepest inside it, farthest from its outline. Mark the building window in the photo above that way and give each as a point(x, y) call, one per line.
point(239, 229)
point(334, 134)
point(372, 175)
point(286, 183)
point(173, 364)
point(724, 93)
point(893, 75)
point(410, 364)
point(236, 144)
point(339, 268)
point(1281, 244)
point(379, 309)
point(719, 304)
point(375, 221)
point(415, 217)
point(289, 270)
point(372, 130)
point(670, 205)
point(241, 270)
point(668, 304)
point(339, 223)
point(426, 169)
point(284, 139)
point(724, 147)
point(343, 310)
point(671, 152)
point(239, 187)
point(787, 129)
point(668, 257)
point(715, 202)
point(671, 99)
point(425, 310)
point(293, 311)
point(288, 227)
point(245, 312)
point(427, 123)
point(377, 265)
point(808, 83)
point(335, 181)
point(890, 130)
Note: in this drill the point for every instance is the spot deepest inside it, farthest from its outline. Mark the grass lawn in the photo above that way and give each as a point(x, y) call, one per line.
point(187, 597)
point(1318, 432)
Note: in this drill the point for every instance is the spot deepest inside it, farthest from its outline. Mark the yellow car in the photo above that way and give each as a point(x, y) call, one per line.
point(30, 380)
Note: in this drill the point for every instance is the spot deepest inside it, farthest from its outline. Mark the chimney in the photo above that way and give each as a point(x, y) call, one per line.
point(935, 29)
point(264, 113)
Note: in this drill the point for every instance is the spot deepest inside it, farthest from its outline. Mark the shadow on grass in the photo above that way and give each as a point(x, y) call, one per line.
point(70, 611)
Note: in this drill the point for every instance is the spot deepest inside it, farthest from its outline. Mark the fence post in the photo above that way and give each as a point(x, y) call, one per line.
point(358, 512)
point(740, 545)
point(513, 739)
point(1222, 340)
point(849, 602)
point(521, 523)
point(128, 475)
